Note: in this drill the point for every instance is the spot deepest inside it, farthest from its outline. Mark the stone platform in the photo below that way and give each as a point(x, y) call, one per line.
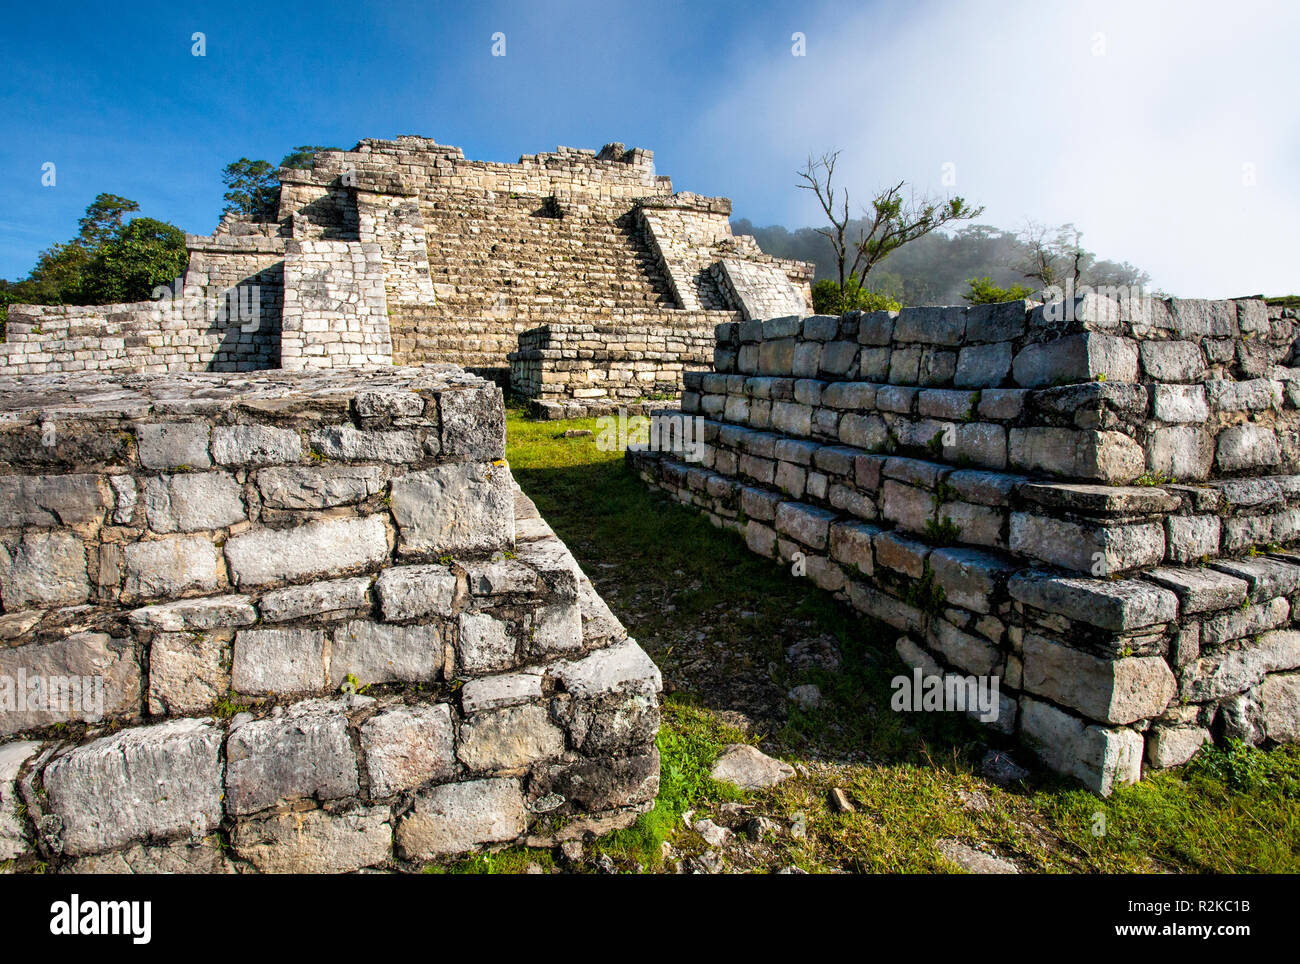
point(1094, 503)
point(295, 622)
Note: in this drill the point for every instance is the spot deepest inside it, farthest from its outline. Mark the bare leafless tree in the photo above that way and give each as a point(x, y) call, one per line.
point(892, 220)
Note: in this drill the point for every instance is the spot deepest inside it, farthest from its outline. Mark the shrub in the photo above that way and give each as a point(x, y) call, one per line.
point(830, 299)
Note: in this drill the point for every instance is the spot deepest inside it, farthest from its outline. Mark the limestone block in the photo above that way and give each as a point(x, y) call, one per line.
point(408, 746)
point(290, 660)
point(47, 569)
point(1098, 549)
point(319, 487)
point(410, 592)
point(1240, 668)
point(323, 547)
point(13, 757)
point(508, 739)
point(1171, 746)
point(330, 597)
point(316, 841)
point(173, 445)
point(1076, 358)
point(1247, 446)
point(188, 672)
point(190, 502)
point(460, 508)
point(347, 442)
point(493, 692)
point(1279, 707)
point(52, 500)
point(170, 567)
point(383, 653)
point(255, 445)
point(1102, 758)
point(1114, 604)
point(458, 817)
point(1107, 690)
point(983, 366)
point(305, 753)
point(153, 781)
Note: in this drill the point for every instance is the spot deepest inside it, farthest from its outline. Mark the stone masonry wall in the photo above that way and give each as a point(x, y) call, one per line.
point(335, 306)
point(570, 371)
point(326, 631)
point(470, 254)
point(996, 486)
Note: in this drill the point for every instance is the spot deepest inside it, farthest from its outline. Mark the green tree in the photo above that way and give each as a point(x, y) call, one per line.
point(252, 191)
point(303, 156)
point(983, 291)
point(143, 254)
point(103, 219)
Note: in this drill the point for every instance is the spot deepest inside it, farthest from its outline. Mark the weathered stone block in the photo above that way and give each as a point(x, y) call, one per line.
point(319, 487)
point(190, 502)
point(458, 817)
point(509, 739)
point(1106, 690)
point(174, 566)
point(188, 672)
point(463, 508)
point(409, 592)
point(408, 746)
point(48, 569)
point(328, 598)
point(290, 660)
point(153, 781)
point(383, 653)
point(316, 841)
point(320, 548)
point(174, 445)
point(255, 445)
point(306, 753)
point(1102, 758)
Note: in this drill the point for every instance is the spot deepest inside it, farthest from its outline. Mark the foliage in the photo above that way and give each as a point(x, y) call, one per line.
point(302, 157)
point(253, 193)
point(141, 255)
point(984, 292)
point(830, 299)
point(109, 261)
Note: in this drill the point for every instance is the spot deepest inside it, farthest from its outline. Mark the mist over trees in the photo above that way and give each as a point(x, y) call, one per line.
point(937, 269)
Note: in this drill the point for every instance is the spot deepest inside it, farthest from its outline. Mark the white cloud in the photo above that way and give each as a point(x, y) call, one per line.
point(1131, 120)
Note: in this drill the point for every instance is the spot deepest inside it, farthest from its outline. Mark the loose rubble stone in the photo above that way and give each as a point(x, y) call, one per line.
point(749, 768)
point(973, 861)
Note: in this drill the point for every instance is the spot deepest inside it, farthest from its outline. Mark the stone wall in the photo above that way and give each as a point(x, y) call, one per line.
point(323, 629)
point(335, 306)
point(1025, 526)
point(572, 371)
point(470, 254)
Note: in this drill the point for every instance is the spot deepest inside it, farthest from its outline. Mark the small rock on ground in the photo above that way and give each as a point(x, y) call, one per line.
point(749, 768)
point(1001, 769)
point(973, 861)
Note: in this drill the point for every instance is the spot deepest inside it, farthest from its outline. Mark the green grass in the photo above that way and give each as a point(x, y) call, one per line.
point(667, 572)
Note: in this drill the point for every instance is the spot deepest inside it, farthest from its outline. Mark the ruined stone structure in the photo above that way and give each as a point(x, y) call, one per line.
point(405, 252)
point(295, 621)
point(1096, 503)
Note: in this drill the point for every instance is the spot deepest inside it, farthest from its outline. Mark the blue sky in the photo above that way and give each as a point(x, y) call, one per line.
point(1166, 131)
